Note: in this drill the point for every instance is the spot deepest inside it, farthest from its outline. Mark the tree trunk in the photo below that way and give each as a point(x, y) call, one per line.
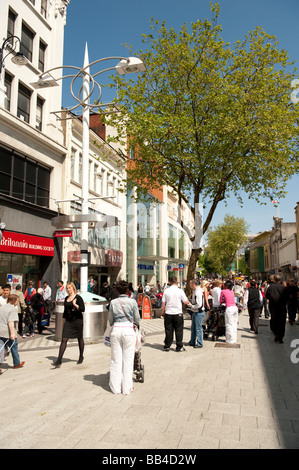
point(191, 267)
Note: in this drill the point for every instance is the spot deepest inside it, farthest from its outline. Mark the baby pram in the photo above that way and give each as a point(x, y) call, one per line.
point(138, 366)
point(215, 323)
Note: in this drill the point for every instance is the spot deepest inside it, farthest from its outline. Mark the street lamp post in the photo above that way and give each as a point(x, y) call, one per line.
point(124, 66)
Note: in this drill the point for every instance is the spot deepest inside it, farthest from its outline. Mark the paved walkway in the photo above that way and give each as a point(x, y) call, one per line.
point(210, 398)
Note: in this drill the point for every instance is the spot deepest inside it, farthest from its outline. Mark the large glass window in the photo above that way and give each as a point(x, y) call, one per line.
point(11, 24)
point(181, 245)
point(41, 56)
point(24, 178)
point(26, 46)
point(171, 241)
point(23, 110)
point(43, 8)
point(39, 113)
point(73, 162)
point(145, 235)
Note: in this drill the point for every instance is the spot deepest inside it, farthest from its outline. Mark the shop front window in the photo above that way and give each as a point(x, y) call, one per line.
point(23, 178)
point(24, 265)
point(171, 241)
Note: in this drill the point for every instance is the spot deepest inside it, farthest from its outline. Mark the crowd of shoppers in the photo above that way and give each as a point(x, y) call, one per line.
point(275, 298)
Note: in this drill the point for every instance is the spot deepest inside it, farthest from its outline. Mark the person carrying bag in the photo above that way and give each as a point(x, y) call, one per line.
point(123, 313)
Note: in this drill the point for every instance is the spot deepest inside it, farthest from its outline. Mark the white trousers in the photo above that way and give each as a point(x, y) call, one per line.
point(123, 340)
point(231, 324)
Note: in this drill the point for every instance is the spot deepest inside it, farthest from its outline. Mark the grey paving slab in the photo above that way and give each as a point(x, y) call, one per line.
point(209, 398)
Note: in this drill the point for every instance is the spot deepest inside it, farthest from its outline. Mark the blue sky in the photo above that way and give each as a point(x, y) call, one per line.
point(106, 26)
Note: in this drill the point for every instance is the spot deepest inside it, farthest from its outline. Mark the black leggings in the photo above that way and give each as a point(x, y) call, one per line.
point(63, 348)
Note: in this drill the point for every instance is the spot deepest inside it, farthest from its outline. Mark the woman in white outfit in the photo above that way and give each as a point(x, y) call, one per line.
point(231, 312)
point(123, 311)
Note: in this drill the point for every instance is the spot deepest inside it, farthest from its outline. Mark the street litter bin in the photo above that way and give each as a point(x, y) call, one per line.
point(95, 317)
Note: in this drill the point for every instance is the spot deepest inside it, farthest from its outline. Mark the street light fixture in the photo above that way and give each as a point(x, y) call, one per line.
point(124, 66)
point(11, 43)
point(130, 65)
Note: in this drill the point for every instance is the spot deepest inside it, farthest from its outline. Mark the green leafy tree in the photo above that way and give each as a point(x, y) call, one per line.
point(224, 241)
point(208, 118)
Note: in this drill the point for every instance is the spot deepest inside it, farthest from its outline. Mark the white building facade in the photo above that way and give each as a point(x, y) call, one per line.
point(106, 245)
point(32, 151)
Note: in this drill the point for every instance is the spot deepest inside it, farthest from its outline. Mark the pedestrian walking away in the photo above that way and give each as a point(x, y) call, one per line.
point(39, 310)
point(123, 312)
point(253, 300)
point(21, 307)
point(172, 311)
point(72, 322)
point(231, 312)
point(278, 297)
point(263, 290)
point(292, 301)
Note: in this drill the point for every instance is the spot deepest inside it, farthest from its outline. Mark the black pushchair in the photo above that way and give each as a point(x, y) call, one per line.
point(215, 323)
point(138, 367)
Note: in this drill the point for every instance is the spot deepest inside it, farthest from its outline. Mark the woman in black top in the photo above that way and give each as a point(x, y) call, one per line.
point(73, 322)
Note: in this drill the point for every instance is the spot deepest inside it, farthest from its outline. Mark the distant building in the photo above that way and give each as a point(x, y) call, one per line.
point(283, 249)
point(259, 255)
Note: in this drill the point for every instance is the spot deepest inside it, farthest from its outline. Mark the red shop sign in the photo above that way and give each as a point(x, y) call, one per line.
point(63, 233)
point(113, 257)
point(14, 242)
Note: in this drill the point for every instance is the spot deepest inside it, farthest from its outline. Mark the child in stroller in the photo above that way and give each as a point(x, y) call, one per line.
point(216, 322)
point(138, 366)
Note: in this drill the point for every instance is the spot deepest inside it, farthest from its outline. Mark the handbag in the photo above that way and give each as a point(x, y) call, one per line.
point(45, 321)
point(107, 334)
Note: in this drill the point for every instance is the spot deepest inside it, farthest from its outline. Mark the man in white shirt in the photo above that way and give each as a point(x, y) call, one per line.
point(216, 291)
point(172, 311)
point(47, 293)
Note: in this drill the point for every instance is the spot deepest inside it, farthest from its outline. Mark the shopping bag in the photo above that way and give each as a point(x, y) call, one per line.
point(140, 338)
point(106, 337)
point(2, 351)
point(46, 319)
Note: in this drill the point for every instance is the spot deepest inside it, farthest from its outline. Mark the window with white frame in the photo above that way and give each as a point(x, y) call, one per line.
point(39, 113)
point(41, 56)
point(96, 178)
point(7, 82)
point(90, 180)
point(73, 162)
point(26, 46)
point(11, 23)
point(102, 182)
point(80, 169)
point(23, 109)
point(43, 8)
